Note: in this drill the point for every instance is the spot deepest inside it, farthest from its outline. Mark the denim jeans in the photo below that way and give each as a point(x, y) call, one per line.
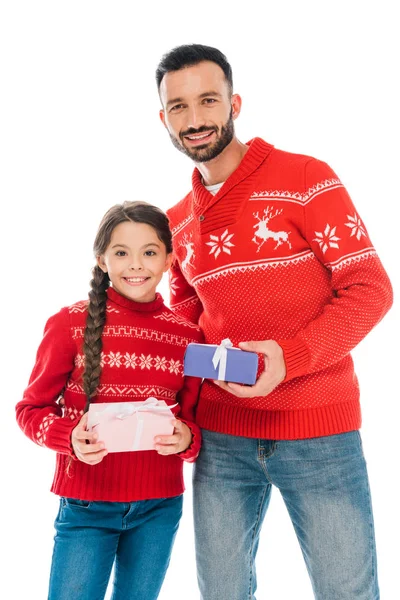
point(90, 536)
point(324, 484)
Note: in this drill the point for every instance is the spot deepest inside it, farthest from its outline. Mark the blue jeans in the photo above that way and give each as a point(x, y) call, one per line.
point(90, 536)
point(324, 484)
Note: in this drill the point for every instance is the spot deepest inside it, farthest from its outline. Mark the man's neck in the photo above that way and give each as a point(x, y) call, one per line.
point(220, 168)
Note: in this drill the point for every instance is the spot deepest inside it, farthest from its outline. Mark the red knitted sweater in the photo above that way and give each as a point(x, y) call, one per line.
point(280, 253)
point(143, 348)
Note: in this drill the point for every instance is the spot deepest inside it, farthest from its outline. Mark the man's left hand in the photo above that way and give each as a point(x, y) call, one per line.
point(273, 374)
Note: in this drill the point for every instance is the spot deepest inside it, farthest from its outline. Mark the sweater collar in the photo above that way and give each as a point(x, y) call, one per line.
point(115, 297)
point(256, 154)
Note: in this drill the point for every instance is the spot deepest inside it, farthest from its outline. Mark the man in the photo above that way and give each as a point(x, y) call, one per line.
point(269, 247)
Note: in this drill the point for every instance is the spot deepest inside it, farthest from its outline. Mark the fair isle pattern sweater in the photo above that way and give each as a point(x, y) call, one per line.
point(142, 356)
point(280, 253)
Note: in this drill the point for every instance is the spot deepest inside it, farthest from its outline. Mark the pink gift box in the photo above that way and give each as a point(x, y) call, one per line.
point(130, 426)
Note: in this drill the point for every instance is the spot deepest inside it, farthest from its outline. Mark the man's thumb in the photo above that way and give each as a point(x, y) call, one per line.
point(250, 346)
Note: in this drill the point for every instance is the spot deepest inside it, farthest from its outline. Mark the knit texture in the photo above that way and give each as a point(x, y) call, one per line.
point(142, 356)
point(280, 253)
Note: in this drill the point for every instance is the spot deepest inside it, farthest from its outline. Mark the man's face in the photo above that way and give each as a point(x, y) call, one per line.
point(198, 110)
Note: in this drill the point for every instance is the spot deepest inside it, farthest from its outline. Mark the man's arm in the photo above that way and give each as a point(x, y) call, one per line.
point(361, 291)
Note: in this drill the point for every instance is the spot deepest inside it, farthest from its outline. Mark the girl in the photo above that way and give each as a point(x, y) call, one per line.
point(122, 345)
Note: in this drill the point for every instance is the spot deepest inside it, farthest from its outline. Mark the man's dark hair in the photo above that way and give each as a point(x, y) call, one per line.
point(189, 55)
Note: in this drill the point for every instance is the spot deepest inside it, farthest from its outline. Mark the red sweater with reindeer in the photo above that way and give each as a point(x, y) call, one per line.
point(142, 356)
point(280, 253)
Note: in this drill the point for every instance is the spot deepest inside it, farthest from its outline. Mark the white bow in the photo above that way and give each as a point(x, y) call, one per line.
point(220, 358)
point(150, 404)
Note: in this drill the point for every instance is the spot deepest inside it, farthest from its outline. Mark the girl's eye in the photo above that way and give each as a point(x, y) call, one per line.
point(149, 253)
point(120, 253)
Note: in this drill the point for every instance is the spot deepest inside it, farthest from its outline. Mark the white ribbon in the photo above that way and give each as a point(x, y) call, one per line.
point(220, 358)
point(151, 404)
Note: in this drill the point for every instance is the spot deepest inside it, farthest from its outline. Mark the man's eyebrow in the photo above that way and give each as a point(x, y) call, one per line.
point(174, 101)
point(207, 94)
point(203, 95)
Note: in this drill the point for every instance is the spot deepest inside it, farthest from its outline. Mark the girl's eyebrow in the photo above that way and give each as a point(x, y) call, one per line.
point(145, 245)
point(151, 244)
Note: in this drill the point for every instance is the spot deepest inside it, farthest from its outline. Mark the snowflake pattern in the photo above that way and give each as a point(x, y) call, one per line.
point(174, 366)
point(79, 361)
point(145, 361)
point(222, 244)
point(130, 360)
point(172, 284)
point(114, 359)
point(327, 239)
point(356, 226)
point(160, 363)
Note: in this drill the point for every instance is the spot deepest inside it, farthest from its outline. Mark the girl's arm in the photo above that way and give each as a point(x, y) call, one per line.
point(38, 414)
point(187, 398)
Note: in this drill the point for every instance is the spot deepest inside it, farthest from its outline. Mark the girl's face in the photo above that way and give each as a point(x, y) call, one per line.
point(135, 261)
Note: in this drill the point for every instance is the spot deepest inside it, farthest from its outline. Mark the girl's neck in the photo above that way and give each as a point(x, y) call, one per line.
point(125, 302)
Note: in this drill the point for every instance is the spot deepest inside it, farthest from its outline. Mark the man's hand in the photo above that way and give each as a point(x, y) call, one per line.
point(273, 374)
point(89, 452)
point(179, 441)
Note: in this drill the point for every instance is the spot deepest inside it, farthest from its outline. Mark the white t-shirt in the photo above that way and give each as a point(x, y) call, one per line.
point(213, 189)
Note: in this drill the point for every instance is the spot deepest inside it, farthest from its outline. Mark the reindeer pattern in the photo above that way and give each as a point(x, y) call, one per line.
point(222, 246)
point(188, 244)
point(263, 233)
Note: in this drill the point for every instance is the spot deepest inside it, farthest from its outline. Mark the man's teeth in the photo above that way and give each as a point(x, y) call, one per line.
point(199, 137)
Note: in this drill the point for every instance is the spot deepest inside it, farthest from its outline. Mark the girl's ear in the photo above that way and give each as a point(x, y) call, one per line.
point(101, 263)
point(168, 262)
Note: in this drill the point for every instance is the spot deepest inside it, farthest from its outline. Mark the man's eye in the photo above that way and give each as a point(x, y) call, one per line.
point(177, 107)
point(209, 100)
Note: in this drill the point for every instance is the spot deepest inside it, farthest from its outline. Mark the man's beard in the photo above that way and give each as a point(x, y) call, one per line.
point(206, 152)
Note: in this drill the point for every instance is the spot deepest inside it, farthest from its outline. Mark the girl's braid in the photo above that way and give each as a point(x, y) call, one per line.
point(95, 321)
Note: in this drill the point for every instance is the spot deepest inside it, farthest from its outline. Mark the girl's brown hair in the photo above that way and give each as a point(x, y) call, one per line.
point(137, 212)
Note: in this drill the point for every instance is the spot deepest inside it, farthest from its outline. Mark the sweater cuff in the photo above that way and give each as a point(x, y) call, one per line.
point(59, 435)
point(192, 452)
point(297, 358)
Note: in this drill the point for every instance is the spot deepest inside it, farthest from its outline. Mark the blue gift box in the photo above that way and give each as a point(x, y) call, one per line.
point(230, 364)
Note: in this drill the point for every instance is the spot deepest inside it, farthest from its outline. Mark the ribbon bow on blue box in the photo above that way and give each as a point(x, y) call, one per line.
point(223, 362)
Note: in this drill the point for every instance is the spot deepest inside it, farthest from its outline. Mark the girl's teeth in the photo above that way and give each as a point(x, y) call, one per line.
point(138, 280)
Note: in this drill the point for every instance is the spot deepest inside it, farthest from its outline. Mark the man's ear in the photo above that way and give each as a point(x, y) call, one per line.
point(162, 116)
point(236, 103)
point(101, 263)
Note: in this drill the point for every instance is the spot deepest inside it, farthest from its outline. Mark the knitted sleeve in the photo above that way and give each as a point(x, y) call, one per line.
point(183, 299)
point(187, 398)
point(38, 414)
point(361, 290)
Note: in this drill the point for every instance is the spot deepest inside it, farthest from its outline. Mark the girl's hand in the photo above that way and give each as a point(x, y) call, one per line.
point(90, 453)
point(179, 441)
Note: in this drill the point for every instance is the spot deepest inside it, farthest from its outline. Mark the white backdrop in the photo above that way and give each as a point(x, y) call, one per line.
point(80, 132)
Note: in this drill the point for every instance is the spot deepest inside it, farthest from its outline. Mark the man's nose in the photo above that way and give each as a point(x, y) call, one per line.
point(195, 118)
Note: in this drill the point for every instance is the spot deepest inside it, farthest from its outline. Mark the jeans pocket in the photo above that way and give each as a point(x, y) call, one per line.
point(76, 503)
